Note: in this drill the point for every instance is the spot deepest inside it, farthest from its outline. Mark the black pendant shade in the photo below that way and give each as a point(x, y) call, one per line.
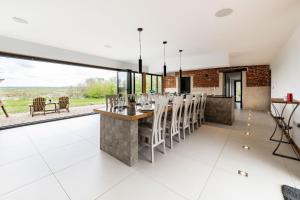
point(165, 66)
point(140, 60)
point(140, 65)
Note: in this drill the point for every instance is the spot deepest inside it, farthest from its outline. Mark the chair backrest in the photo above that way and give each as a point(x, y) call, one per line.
point(195, 107)
point(187, 109)
point(39, 104)
point(158, 127)
point(176, 114)
point(63, 102)
point(203, 102)
point(111, 100)
point(199, 96)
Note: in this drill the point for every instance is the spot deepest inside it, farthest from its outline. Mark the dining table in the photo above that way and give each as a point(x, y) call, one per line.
point(119, 131)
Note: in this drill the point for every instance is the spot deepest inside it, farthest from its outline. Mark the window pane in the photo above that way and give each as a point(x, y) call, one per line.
point(154, 84)
point(159, 84)
point(148, 83)
point(122, 83)
point(238, 91)
point(138, 83)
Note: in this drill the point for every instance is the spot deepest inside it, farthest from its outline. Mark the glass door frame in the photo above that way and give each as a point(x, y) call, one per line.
point(235, 96)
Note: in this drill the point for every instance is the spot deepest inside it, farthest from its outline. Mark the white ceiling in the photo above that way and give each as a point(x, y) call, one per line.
point(251, 35)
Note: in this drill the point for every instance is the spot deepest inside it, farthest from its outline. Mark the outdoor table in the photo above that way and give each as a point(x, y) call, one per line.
point(50, 104)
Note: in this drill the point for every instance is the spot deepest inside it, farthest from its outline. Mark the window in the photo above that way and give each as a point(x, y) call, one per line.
point(154, 84)
point(138, 83)
point(25, 80)
point(148, 83)
point(159, 84)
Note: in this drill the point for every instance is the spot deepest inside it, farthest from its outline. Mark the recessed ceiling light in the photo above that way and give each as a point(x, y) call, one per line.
point(247, 133)
point(224, 12)
point(246, 147)
point(107, 46)
point(242, 173)
point(249, 124)
point(20, 20)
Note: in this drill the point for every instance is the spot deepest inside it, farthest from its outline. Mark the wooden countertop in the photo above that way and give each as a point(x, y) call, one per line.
point(123, 114)
point(281, 100)
point(219, 96)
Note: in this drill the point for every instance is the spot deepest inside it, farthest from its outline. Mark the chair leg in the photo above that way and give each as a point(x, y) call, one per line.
point(164, 147)
point(152, 154)
point(193, 128)
point(171, 141)
point(183, 131)
point(190, 130)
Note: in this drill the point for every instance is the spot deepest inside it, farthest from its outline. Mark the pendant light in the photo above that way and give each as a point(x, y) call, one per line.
point(165, 66)
point(180, 71)
point(140, 59)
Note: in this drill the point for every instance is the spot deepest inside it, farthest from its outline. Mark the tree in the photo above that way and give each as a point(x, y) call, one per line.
point(99, 87)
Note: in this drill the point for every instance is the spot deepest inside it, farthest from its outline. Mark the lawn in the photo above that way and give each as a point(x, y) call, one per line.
point(21, 105)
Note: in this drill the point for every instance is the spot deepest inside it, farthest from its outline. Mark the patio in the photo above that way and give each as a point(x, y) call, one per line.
point(21, 118)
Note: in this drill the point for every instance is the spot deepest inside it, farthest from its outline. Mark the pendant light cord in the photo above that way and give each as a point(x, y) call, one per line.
point(165, 54)
point(180, 59)
point(140, 44)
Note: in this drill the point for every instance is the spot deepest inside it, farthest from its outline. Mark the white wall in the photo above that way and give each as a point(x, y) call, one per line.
point(10, 45)
point(219, 59)
point(286, 76)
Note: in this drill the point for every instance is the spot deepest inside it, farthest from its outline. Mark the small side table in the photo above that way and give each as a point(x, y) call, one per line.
point(285, 127)
point(49, 104)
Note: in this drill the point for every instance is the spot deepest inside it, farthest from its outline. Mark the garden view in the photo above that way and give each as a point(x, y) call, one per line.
point(91, 92)
point(23, 80)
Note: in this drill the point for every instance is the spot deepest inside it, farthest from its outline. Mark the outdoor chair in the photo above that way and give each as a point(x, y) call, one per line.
point(38, 105)
point(63, 103)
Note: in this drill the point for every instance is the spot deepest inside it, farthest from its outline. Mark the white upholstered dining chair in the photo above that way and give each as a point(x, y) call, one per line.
point(203, 104)
point(185, 120)
point(173, 125)
point(194, 115)
point(155, 136)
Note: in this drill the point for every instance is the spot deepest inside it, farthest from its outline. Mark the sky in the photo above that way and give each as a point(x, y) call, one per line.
point(27, 73)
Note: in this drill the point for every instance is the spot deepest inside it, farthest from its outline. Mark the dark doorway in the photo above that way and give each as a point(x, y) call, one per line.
point(185, 85)
point(233, 86)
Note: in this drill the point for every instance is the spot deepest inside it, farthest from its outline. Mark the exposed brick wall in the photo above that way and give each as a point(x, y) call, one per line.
point(201, 78)
point(206, 78)
point(170, 82)
point(258, 76)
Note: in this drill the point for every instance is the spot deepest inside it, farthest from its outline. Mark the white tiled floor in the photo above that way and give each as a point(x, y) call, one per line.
point(62, 160)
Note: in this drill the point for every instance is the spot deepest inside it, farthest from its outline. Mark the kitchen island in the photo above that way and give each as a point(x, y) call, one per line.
point(220, 109)
point(119, 133)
